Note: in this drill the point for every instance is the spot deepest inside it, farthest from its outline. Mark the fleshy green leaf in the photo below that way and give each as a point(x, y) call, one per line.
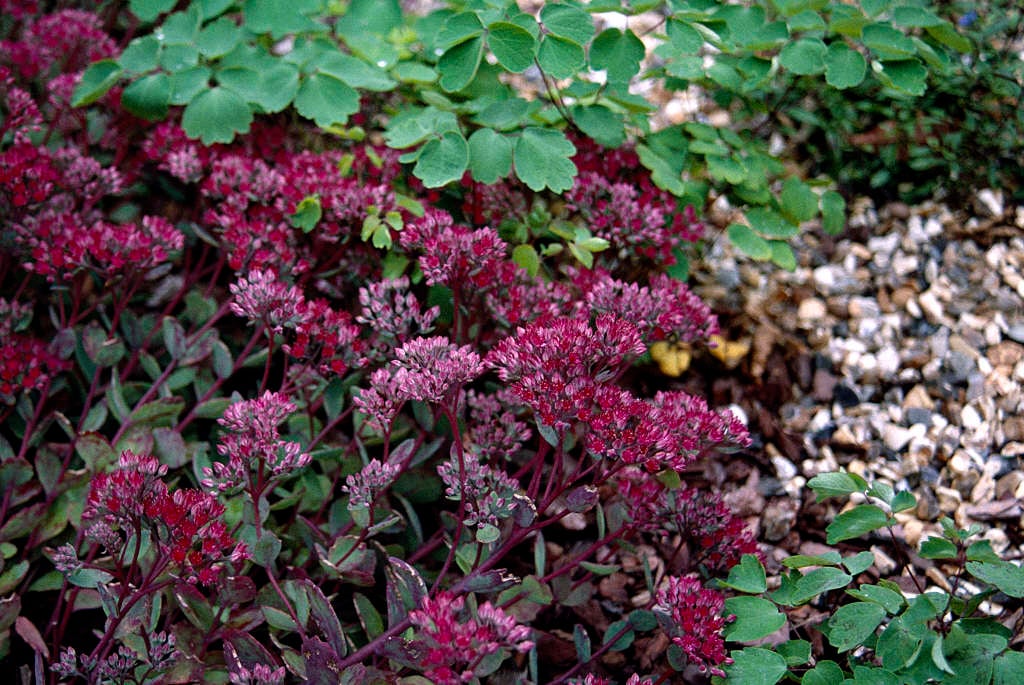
point(490, 156)
point(567, 21)
point(326, 100)
point(756, 617)
point(617, 52)
point(852, 624)
point(442, 160)
point(805, 56)
point(750, 243)
point(543, 160)
point(856, 522)
point(459, 64)
point(215, 116)
point(512, 45)
point(560, 57)
point(96, 81)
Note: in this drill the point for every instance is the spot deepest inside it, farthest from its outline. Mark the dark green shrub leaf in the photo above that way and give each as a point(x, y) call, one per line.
point(148, 97)
point(907, 76)
point(512, 45)
point(490, 156)
point(567, 21)
point(852, 624)
point(326, 100)
point(442, 160)
point(756, 666)
point(459, 64)
point(805, 56)
point(827, 485)
point(747, 576)
point(560, 57)
point(618, 53)
point(542, 160)
point(756, 617)
point(215, 116)
point(856, 522)
point(750, 243)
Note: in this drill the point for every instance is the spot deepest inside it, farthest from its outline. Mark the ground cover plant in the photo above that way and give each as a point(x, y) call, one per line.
point(281, 402)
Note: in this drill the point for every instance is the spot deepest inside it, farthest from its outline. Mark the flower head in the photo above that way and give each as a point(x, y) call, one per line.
point(692, 616)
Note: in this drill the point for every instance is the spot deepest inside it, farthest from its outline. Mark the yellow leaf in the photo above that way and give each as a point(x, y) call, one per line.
point(673, 357)
point(729, 352)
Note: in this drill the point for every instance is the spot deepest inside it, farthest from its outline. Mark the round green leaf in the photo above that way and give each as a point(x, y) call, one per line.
point(512, 45)
point(805, 56)
point(750, 243)
point(458, 28)
point(490, 156)
point(798, 200)
point(825, 673)
point(96, 81)
point(747, 576)
point(684, 38)
point(326, 100)
point(566, 21)
point(215, 115)
point(560, 57)
point(756, 666)
point(770, 223)
point(414, 72)
point(852, 624)
point(148, 97)
point(756, 617)
point(141, 55)
point(915, 16)
point(906, 75)
point(459, 64)
point(354, 71)
point(844, 66)
point(219, 38)
point(782, 255)
point(618, 53)
point(600, 123)
point(442, 160)
point(542, 160)
point(887, 42)
point(855, 522)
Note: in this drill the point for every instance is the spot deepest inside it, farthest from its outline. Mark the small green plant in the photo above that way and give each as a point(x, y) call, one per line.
point(885, 634)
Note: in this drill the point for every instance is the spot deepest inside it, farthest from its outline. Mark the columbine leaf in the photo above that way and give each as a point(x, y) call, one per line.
point(782, 255)
point(600, 123)
point(354, 71)
point(326, 100)
point(833, 212)
point(827, 485)
point(148, 10)
point(96, 81)
point(756, 617)
point(219, 38)
point(459, 64)
point(906, 75)
point(887, 42)
point(852, 624)
point(617, 52)
point(542, 160)
point(149, 97)
point(756, 666)
point(805, 56)
point(560, 57)
point(566, 21)
point(1004, 575)
point(442, 160)
point(747, 576)
point(512, 45)
point(844, 66)
point(856, 522)
point(490, 156)
point(307, 213)
point(750, 243)
point(798, 200)
point(215, 116)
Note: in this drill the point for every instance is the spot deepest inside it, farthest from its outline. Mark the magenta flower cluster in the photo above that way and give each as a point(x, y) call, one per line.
point(692, 615)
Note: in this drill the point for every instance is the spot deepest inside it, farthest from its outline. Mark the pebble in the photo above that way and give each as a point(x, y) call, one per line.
point(811, 310)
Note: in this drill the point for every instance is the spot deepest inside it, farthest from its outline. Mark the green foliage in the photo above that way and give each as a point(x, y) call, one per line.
point(226, 62)
point(885, 635)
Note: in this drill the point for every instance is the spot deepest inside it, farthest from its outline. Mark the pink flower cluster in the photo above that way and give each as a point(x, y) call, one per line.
point(452, 643)
point(493, 431)
point(454, 255)
point(68, 39)
point(488, 493)
point(393, 314)
point(186, 525)
point(253, 445)
point(25, 362)
point(592, 679)
point(364, 487)
point(692, 616)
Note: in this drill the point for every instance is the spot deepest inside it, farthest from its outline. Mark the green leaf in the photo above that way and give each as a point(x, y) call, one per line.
point(542, 159)
point(903, 501)
point(277, 18)
point(617, 52)
point(817, 582)
point(907, 76)
point(750, 243)
point(888, 599)
point(805, 560)
point(369, 617)
point(326, 100)
point(1007, 668)
point(487, 533)
point(526, 256)
point(798, 200)
point(856, 522)
point(770, 223)
point(148, 10)
point(504, 115)
point(459, 64)
point(859, 562)
point(490, 156)
point(795, 652)
point(307, 213)
point(215, 115)
point(824, 673)
point(442, 160)
point(756, 666)
point(560, 57)
point(149, 97)
point(915, 16)
point(664, 175)
point(458, 28)
point(948, 36)
point(354, 71)
point(414, 72)
point(619, 642)
point(833, 212)
point(974, 658)
point(836, 484)
point(756, 617)
point(852, 624)
point(782, 255)
point(512, 45)
point(141, 55)
point(684, 38)
point(747, 576)
point(567, 21)
point(887, 42)
point(805, 56)
point(844, 66)
point(600, 123)
point(187, 84)
point(1004, 575)
point(218, 38)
